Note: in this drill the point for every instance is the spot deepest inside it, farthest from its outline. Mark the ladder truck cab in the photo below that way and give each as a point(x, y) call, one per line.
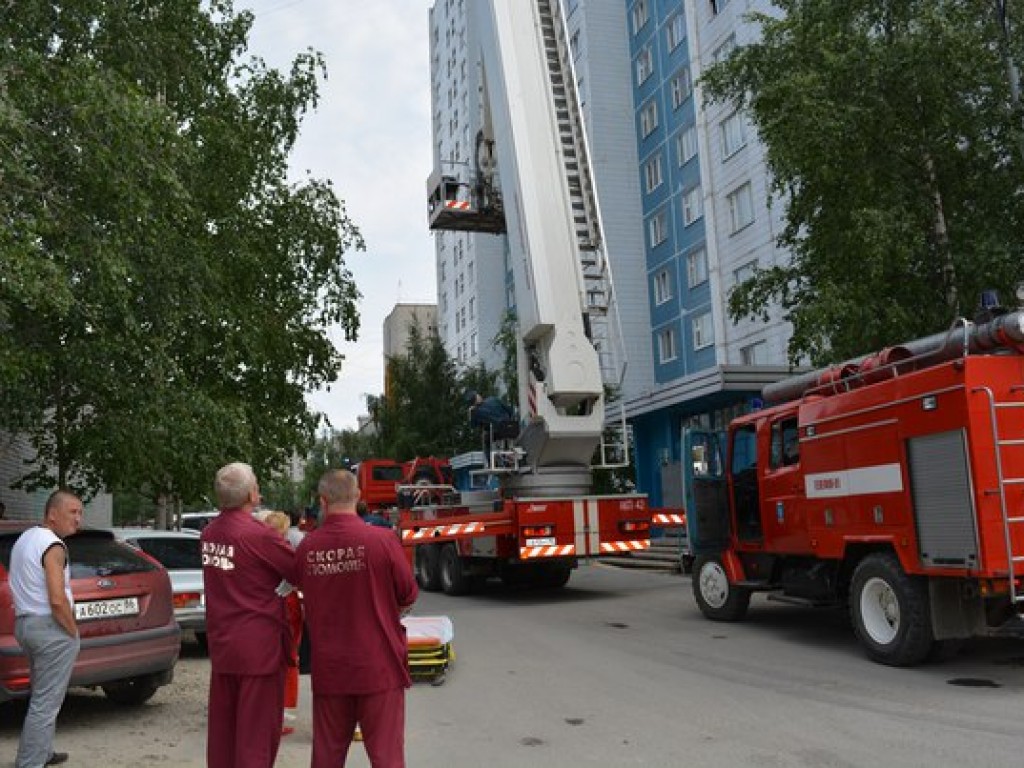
point(892, 484)
point(530, 178)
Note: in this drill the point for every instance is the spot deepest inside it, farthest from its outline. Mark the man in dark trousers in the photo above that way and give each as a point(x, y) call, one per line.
point(356, 584)
point(246, 627)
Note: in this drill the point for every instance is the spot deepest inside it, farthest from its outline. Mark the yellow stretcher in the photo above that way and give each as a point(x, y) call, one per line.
point(430, 646)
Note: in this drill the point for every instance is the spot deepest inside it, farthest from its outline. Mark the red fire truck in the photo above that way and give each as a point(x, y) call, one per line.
point(893, 484)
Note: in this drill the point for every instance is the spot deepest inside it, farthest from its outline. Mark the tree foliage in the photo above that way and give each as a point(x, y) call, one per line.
point(892, 138)
point(165, 292)
point(424, 412)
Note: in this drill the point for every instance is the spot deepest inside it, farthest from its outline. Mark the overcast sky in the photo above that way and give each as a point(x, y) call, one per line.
point(371, 137)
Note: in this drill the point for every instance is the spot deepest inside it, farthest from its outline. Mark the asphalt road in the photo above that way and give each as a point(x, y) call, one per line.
point(620, 669)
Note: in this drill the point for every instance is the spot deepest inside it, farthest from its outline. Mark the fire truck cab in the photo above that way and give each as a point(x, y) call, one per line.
point(893, 485)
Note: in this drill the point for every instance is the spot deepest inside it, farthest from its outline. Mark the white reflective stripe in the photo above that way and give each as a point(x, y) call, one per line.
point(625, 546)
point(579, 524)
point(594, 521)
point(668, 519)
point(526, 553)
point(884, 478)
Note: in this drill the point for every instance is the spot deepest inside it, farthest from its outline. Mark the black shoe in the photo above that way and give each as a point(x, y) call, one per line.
point(57, 758)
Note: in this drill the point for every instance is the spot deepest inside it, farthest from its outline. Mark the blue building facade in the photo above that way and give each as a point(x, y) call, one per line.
point(706, 369)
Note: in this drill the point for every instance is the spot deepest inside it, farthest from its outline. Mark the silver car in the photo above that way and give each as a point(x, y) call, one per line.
point(178, 552)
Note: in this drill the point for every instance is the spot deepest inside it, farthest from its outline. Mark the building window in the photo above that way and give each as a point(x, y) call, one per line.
point(680, 88)
point(754, 354)
point(697, 268)
point(676, 32)
point(656, 229)
point(472, 344)
point(662, 287)
point(734, 134)
point(472, 307)
point(693, 206)
point(717, 6)
point(640, 15)
point(667, 347)
point(652, 173)
point(686, 145)
point(644, 65)
point(745, 272)
point(703, 333)
point(741, 208)
point(722, 52)
point(648, 118)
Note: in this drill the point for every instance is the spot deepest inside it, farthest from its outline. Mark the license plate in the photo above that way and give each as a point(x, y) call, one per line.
point(545, 542)
point(102, 609)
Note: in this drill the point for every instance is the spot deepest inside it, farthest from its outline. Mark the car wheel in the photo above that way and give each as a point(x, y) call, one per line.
point(201, 641)
point(133, 692)
point(717, 598)
point(890, 612)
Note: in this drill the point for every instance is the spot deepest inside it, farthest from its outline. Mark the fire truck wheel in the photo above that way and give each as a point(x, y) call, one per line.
point(428, 569)
point(454, 579)
point(889, 610)
point(717, 599)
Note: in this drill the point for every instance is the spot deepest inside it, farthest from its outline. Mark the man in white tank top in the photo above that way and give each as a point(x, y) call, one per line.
point(44, 625)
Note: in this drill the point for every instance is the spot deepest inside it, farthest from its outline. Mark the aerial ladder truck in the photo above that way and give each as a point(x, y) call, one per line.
point(531, 181)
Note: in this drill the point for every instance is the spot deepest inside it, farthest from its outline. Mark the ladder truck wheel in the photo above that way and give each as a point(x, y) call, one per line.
point(428, 569)
point(555, 576)
point(717, 598)
point(890, 611)
point(454, 578)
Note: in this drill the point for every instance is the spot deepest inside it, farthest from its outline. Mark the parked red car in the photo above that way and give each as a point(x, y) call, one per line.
point(124, 608)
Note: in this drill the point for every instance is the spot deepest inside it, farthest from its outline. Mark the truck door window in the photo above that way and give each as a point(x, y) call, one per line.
point(746, 496)
point(705, 455)
point(785, 443)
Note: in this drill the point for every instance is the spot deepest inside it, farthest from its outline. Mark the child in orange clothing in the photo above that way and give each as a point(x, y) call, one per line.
point(280, 522)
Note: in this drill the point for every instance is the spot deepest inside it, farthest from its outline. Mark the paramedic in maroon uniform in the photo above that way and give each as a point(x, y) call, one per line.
point(246, 628)
point(356, 583)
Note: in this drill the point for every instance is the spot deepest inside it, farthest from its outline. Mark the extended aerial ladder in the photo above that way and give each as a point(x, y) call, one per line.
point(532, 180)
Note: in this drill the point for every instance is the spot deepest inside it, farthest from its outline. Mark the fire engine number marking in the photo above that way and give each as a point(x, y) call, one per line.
point(883, 478)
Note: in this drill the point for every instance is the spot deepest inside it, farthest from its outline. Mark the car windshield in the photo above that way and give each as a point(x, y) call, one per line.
point(93, 556)
point(174, 553)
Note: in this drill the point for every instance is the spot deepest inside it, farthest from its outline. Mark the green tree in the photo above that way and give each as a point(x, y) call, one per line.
point(165, 292)
point(891, 138)
point(506, 341)
point(424, 412)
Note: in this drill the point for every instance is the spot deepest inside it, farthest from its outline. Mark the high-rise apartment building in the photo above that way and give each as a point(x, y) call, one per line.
point(707, 225)
point(472, 275)
point(474, 286)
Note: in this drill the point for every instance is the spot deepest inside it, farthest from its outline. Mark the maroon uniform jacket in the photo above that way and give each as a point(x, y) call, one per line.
point(354, 580)
point(243, 562)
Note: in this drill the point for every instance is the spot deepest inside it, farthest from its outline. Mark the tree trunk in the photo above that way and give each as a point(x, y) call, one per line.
point(940, 235)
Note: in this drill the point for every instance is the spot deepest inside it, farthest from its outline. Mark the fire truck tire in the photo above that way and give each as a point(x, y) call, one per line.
point(454, 578)
point(890, 613)
point(428, 568)
point(717, 598)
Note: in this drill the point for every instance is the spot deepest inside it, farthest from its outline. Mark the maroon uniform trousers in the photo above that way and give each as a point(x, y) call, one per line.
point(244, 720)
point(381, 716)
